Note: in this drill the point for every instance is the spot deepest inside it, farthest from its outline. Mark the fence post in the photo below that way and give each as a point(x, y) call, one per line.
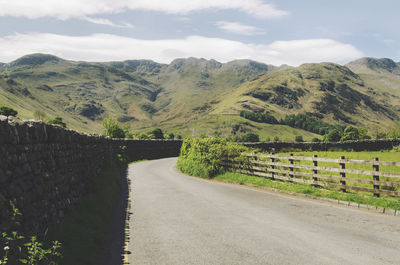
point(343, 174)
point(291, 162)
point(315, 171)
point(272, 167)
point(376, 178)
point(254, 165)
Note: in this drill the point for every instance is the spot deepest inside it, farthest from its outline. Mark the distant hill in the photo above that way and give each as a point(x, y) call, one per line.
point(372, 65)
point(194, 96)
point(326, 91)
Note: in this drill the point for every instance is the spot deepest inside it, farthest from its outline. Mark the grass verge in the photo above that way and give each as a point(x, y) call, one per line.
point(84, 230)
point(238, 178)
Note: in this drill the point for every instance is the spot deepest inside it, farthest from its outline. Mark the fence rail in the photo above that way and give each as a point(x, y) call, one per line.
point(345, 178)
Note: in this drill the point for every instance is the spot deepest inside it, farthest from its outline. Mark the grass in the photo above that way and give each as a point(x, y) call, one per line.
point(384, 201)
point(237, 178)
point(84, 230)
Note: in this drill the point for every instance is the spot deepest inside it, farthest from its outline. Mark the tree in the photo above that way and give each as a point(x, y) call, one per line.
point(58, 121)
point(39, 115)
point(7, 111)
point(157, 134)
point(350, 133)
point(113, 129)
point(333, 136)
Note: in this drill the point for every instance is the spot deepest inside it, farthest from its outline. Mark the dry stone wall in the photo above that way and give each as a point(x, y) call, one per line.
point(47, 169)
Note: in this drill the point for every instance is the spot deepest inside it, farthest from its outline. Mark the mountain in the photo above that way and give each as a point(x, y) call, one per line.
point(374, 66)
point(326, 91)
point(141, 92)
point(193, 96)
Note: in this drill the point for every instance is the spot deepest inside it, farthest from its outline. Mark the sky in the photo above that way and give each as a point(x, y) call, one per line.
point(269, 31)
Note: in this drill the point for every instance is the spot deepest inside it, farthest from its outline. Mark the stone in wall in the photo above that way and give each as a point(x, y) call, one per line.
point(48, 169)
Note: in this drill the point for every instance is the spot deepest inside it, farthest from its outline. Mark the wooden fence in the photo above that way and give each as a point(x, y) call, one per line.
point(307, 170)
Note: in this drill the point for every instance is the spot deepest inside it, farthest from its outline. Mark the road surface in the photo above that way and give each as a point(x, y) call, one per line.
point(178, 219)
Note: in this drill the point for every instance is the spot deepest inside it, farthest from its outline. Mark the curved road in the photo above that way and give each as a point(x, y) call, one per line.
point(179, 219)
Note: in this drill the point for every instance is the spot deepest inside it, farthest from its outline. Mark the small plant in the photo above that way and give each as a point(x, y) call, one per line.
point(19, 249)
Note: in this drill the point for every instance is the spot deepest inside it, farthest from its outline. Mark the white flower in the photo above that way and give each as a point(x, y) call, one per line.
point(6, 248)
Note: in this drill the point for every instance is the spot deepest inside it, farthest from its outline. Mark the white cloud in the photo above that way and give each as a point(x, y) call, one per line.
point(107, 22)
point(65, 9)
point(238, 28)
point(105, 47)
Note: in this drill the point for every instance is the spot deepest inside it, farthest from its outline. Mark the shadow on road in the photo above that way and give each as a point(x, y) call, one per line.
point(114, 251)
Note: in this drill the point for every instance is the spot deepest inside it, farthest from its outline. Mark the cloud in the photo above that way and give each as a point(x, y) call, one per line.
point(238, 28)
point(103, 21)
point(63, 9)
point(106, 47)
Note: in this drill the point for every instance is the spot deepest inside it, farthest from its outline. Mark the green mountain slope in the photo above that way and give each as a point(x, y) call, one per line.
point(326, 91)
point(195, 96)
point(141, 92)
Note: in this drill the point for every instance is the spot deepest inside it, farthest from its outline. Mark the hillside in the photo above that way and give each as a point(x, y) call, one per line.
point(141, 92)
point(326, 91)
point(195, 96)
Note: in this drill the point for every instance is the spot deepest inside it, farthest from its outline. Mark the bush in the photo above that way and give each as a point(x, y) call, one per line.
point(113, 129)
point(333, 136)
point(6, 111)
point(250, 137)
point(205, 157)
point(58, 121)
point(16, 248)
point(298, 139)
point(315, 140)
point(156, 134)
point(352, 133)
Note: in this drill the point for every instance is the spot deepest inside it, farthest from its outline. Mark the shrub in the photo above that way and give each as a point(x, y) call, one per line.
point(205, 157)
point(58, 121)
point(333, 136)
point(156, 134)
point(113, 129)
point(315, 140)
point(298, 139)
point(250, 137)
point(16, 248)
point(7, 111)
point(354, 133)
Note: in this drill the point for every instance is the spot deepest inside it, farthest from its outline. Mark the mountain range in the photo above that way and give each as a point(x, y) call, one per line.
point(196, 96)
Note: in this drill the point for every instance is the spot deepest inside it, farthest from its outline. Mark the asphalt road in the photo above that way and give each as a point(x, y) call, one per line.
point(179, 219)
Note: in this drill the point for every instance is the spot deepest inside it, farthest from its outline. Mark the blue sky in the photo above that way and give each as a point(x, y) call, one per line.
point(276, 32)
